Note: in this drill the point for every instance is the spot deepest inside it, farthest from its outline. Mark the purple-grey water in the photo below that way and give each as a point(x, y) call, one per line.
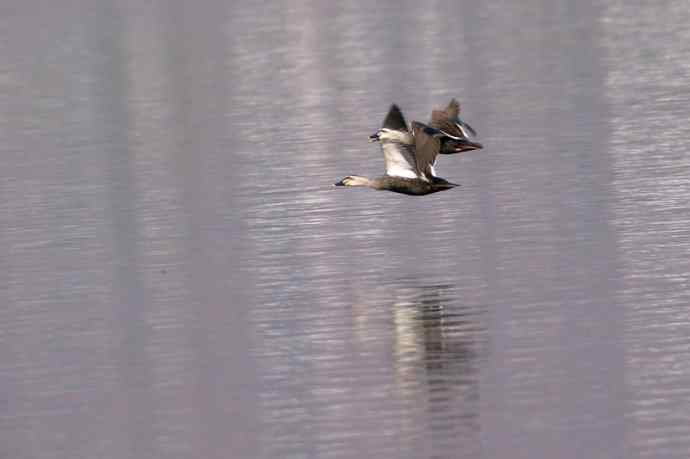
point(179, 279)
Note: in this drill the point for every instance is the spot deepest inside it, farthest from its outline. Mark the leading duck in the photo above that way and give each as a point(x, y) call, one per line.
point(409, 156)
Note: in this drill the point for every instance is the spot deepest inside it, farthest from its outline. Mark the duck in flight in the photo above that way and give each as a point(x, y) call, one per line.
point(409, 156)
point(449, 122)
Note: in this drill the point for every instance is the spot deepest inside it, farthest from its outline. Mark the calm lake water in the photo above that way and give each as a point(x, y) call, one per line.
point(179, 279)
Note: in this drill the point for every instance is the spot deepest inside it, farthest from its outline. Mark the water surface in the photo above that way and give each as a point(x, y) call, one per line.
point(178, 277)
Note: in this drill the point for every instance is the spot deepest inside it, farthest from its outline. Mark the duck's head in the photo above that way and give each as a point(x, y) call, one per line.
point(464, 144)
point(391, 135)
point(353, 180)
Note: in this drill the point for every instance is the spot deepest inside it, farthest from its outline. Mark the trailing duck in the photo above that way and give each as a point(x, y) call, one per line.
point(448, 121)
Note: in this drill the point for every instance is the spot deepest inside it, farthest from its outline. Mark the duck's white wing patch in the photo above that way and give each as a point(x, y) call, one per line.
point(399, 160)
point(432, 171)
point(464, 130)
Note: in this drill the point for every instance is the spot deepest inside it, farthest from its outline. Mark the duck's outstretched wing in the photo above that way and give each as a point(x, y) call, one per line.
point(399, 159)
point(397, 144)
point(457, 142)
point(395, 120)
point(427, 142)
point(440, 121)
point(453, 111)
point(449, 121)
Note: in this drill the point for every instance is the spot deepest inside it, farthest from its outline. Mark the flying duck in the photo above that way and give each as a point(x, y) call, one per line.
point(449, 122)
point(409, 155)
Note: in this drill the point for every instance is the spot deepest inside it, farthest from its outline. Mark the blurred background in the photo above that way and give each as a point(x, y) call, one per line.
point(178, 277)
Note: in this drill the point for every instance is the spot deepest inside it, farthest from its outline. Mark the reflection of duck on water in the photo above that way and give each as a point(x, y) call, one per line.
point(436, 349)
point(431, 333)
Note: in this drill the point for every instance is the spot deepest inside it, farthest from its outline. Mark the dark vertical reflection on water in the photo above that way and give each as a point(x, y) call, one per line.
point(132, 362)
point(446, 343)
point(549, 250)
point(200, 103)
